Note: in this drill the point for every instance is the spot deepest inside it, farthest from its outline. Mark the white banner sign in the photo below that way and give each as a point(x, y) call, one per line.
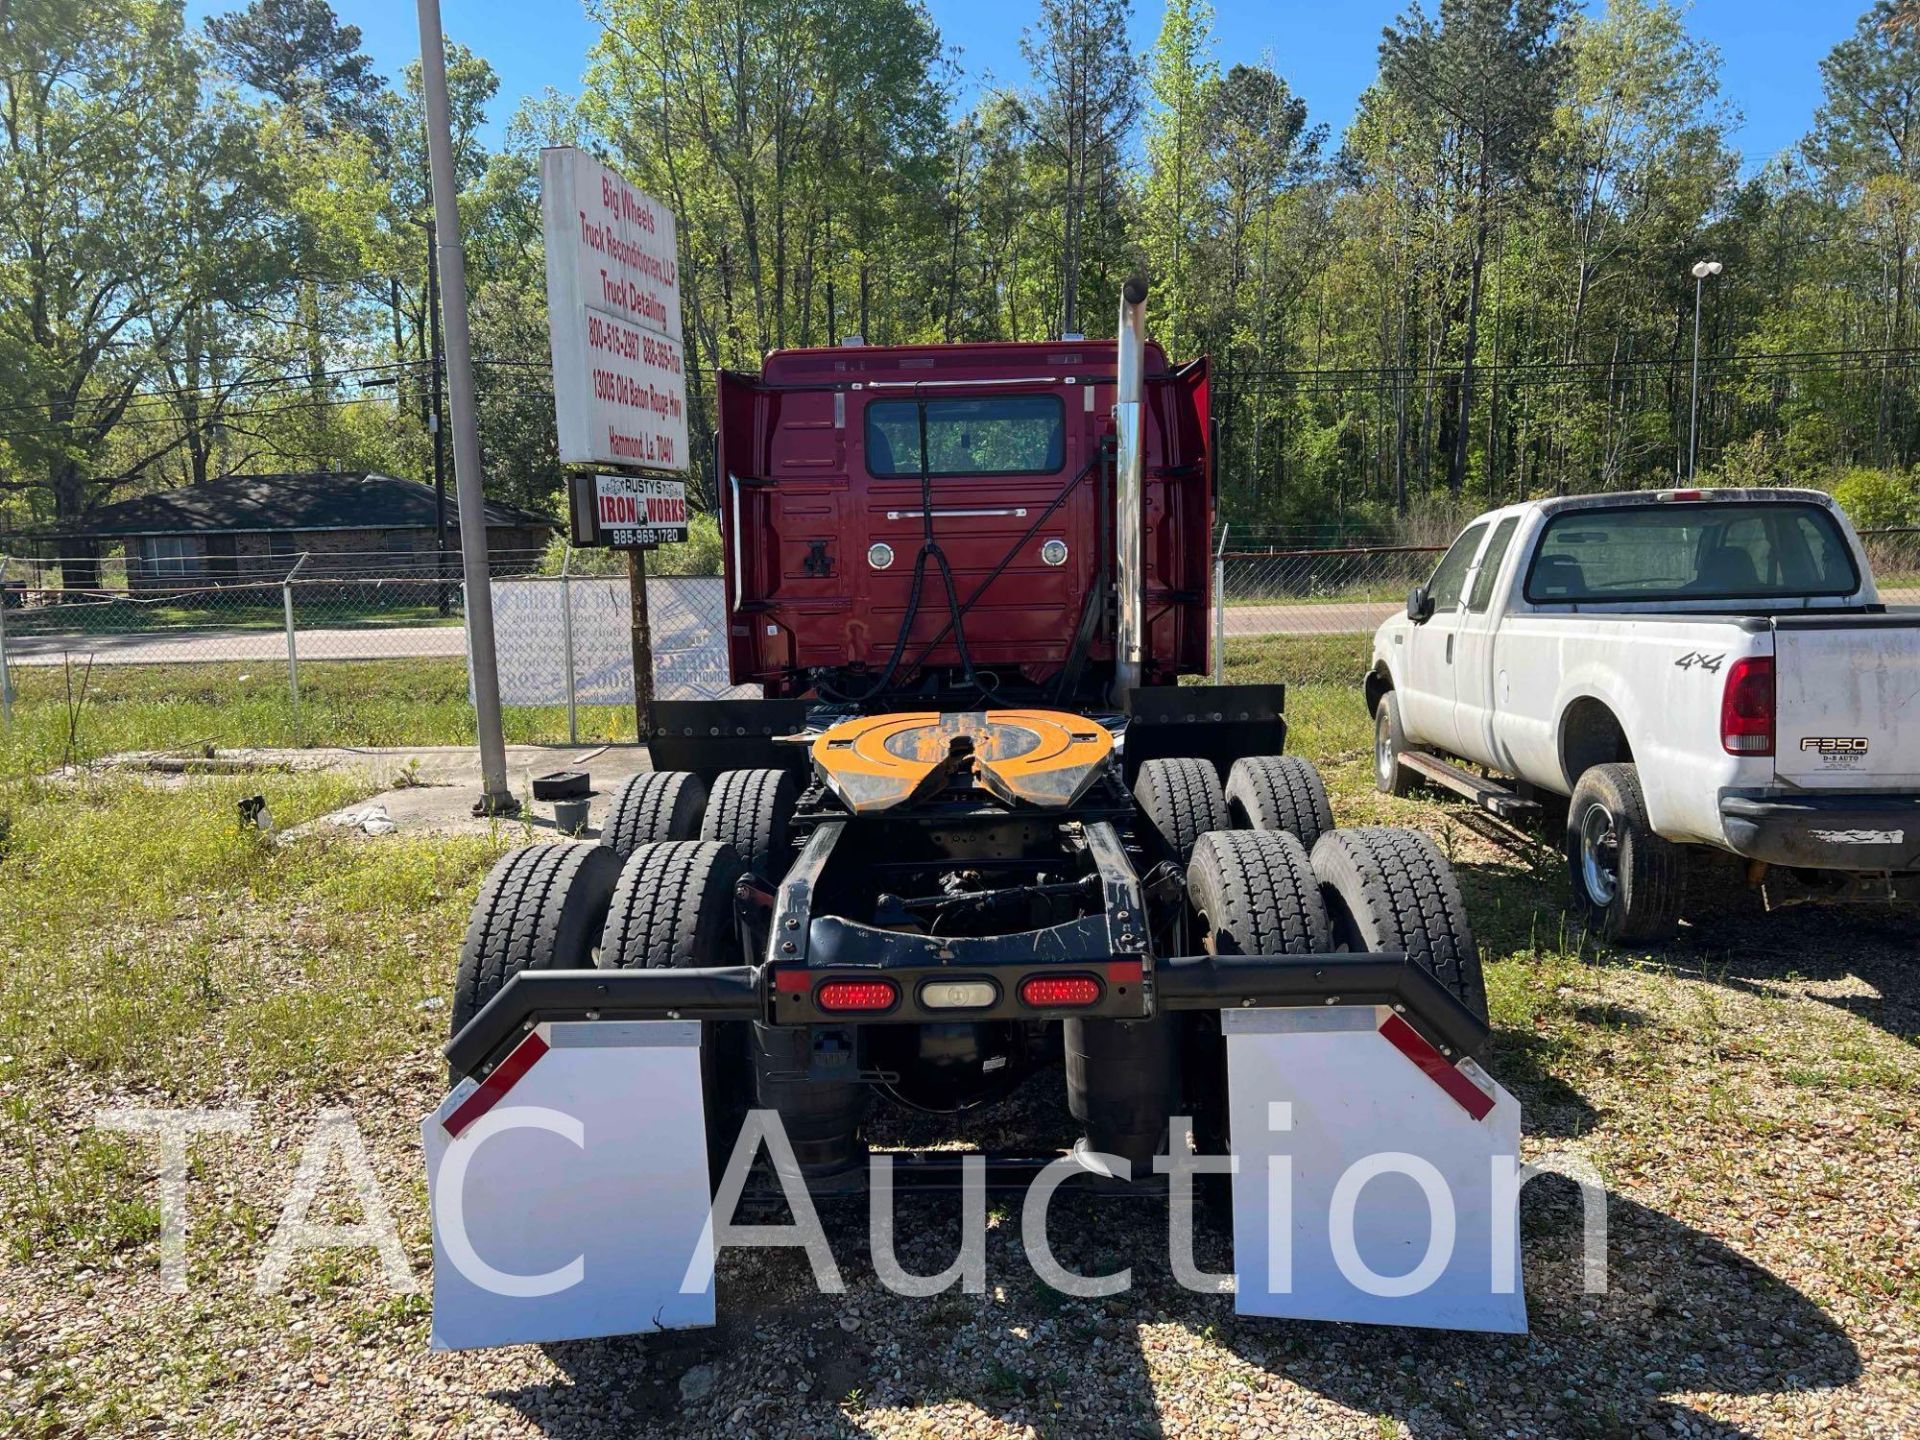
point(613, 316)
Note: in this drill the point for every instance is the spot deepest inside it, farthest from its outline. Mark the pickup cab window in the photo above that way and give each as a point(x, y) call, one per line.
point(1451, 573)
point(997, 435)
point(1489, 570)
point(1688, 550)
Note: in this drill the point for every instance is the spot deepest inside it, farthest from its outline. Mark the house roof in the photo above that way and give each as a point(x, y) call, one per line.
point(324, 500)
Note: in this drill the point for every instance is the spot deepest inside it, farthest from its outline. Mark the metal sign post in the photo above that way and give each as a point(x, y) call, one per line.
point(496, 798)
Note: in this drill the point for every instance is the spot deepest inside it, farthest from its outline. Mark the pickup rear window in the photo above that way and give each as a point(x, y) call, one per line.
point(1000, 435)
point(1691, 550)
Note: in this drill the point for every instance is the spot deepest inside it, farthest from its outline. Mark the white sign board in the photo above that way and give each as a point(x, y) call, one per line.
point(613, 316)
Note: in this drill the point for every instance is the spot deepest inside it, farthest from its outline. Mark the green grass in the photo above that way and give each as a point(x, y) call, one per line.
point(153, 939)
point(1326, 714)
point(187, 707)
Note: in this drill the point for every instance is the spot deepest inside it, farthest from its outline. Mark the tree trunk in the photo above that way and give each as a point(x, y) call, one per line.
point(1457, 462)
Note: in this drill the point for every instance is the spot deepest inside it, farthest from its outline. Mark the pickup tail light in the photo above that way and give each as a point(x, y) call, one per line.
point(843, 996)
point(1747, 707)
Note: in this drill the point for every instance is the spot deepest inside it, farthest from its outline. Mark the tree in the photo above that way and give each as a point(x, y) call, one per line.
point(1866, 147)
point(95, 98)
point(298, 52)
point(1175, 200)
point(1086, 96)
point(1487, 74)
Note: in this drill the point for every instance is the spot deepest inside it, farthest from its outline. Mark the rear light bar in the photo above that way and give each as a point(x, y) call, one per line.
point(1060, 992)
point(1747, 707)
point(855, 996)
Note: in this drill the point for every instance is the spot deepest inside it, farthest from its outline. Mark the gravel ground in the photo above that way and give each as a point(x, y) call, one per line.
point(1750, 1095)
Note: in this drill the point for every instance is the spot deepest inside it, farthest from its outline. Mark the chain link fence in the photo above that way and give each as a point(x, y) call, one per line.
point(1306, 617)
point(364, 648)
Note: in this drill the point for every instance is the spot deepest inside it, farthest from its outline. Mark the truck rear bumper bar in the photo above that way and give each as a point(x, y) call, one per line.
point(788, 995)
point(1848, 832)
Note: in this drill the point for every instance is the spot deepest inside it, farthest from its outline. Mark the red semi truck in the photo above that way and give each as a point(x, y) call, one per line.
point(976, 833)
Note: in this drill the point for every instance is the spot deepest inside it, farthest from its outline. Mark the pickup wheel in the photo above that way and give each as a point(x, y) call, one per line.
point(1389, 744)
point(1279, 792)
point(540, 908)
point(674, 909)
point(1627, 882)
point(655, 805)
point(1181, 800)
point(751, 810)
point(1390, 889)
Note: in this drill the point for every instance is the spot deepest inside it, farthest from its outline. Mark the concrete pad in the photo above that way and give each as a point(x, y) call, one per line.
point(432, 789)
point(421, 789)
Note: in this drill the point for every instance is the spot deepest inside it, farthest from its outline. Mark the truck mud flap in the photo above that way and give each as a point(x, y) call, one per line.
point(1374, 1177)
point(561, 1208)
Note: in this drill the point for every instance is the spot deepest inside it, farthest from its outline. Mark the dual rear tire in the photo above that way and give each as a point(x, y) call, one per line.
point(751, 810)
point(1181, 800)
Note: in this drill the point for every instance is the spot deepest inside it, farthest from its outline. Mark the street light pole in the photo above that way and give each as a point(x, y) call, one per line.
point(1702, 269)
point(496, 798)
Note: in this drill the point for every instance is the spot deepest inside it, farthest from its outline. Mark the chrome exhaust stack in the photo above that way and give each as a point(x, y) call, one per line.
point(1129, 427)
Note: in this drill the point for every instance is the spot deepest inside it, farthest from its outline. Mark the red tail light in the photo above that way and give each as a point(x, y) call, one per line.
point(847, 995)
point(1746, 707)
point(1064, 992)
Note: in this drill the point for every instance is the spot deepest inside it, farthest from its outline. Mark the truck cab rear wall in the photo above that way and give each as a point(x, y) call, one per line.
point(810, 491)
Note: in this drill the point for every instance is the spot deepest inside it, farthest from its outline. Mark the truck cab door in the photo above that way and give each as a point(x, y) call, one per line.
point(1427, 698)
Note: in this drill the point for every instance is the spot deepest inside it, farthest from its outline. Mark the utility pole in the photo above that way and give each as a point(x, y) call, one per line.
point(496, 798)
point(436, 420)
point(1702, 269)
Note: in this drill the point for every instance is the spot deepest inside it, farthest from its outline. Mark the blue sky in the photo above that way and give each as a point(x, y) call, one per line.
point(1327, 49)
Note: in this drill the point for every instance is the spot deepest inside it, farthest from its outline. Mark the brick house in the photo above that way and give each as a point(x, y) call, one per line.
point(254, 527)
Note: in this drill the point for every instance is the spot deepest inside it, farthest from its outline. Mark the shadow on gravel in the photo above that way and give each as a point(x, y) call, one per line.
point(1832, 954)
point(1683, 1314)
point(1828, 953)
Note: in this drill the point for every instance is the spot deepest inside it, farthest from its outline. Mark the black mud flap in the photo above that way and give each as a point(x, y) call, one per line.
point(1220, 723)
point(708, 736)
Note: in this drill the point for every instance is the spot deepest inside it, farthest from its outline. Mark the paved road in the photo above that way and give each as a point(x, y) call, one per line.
point(163, 647)
point(403, 642)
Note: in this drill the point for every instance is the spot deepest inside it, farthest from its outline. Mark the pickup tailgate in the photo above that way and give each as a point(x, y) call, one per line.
point(1847, 691)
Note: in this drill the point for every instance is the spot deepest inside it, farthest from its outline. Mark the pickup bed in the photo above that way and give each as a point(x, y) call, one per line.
point(1692, 668)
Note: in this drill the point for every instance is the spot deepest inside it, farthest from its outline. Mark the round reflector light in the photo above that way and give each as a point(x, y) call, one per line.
point(844, 995)
point(958, 994)
point(1045, 992)
point(880, 555)
point(1054, 552)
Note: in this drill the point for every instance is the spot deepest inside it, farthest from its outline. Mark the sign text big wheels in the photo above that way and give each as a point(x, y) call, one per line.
point(627, 512)
point(613, 315)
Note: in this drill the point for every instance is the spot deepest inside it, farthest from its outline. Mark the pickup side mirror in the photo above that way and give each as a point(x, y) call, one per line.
point(1419, 605)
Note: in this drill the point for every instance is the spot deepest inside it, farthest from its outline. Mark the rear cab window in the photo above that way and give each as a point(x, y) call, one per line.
point(986, 435)
point(1490, 563)
point(1691, 550)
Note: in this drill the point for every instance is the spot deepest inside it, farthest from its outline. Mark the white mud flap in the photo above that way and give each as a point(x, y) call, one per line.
point(1370, 1169)
point(569, 1189)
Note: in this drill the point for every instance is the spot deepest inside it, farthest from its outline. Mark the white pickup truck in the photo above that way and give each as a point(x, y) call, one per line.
point(1693, 668)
